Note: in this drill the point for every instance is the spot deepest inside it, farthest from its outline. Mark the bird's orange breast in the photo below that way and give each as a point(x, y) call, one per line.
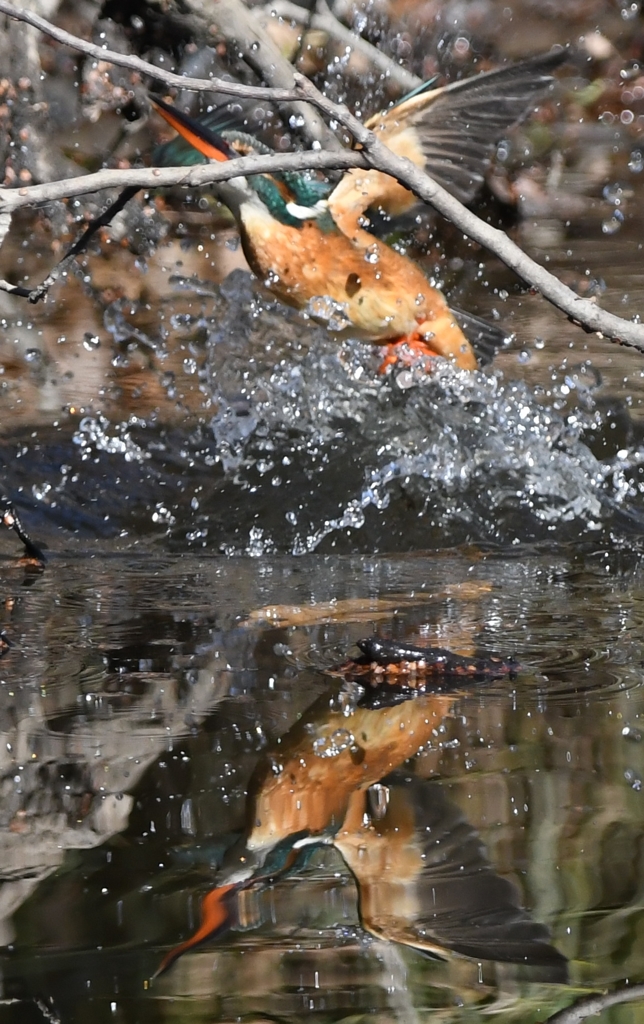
point(310, 788)
point(383, 293)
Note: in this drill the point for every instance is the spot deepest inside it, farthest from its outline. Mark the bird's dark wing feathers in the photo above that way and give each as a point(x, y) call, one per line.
point(460, 130)
point(462, 904)
point(485, 338)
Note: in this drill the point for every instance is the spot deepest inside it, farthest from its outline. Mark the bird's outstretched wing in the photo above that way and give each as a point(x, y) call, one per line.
point(451, 132)
point(424, 880)
point(485, 338)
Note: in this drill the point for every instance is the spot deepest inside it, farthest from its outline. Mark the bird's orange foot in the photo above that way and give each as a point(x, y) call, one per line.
point(407, 351)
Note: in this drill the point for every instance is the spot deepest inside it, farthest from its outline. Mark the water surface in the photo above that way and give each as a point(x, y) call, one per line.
point(140, 694)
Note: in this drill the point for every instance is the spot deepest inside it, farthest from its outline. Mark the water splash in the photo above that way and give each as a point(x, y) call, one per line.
point(95, 433)
point(301, 446)
point(316, 450)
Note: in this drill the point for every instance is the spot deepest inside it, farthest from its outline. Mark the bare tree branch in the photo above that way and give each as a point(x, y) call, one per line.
point(581, 311)
point(124, 60)
point(325, 21)
point(590, 1006)
point(236, 22)
point(163, 177)
point(5, 224)
point(131, 182)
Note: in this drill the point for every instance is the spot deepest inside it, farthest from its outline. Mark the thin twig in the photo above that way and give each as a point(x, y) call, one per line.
point(9, 518)
point(153, 177)
point(124, 60)
point(590, 1006)
point(236, 22)
point(325, 21)
point(79, 246)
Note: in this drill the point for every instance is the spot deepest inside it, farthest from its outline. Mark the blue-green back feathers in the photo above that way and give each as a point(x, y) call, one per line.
point(277, 191)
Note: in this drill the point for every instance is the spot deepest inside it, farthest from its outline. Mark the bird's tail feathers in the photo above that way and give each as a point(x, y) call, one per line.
point(201, 137)
point(485, 338)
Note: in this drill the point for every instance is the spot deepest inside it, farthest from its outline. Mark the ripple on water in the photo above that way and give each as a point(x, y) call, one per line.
point(551, 671)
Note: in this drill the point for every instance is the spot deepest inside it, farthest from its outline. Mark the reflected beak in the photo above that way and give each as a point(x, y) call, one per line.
point(216, 913)
point(219, 907)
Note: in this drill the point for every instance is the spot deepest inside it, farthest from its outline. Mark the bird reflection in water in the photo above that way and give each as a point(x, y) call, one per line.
point(421, 871)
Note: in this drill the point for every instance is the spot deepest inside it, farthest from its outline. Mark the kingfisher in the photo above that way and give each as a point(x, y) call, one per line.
point(310, 243)
point(421, 873)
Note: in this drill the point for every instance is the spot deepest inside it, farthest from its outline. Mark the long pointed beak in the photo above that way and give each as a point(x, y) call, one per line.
point(217, 909)
point(206, 142)
point(215, 916)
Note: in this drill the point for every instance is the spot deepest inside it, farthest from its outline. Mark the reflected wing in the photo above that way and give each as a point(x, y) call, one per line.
point(451, 132)
point(424, 880)
point(304, 796)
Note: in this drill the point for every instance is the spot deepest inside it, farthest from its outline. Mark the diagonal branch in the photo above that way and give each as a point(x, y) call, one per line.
point(132, 181)
point(236, 22)
point(592, 1006)
point(325, 21)
point(125, 60)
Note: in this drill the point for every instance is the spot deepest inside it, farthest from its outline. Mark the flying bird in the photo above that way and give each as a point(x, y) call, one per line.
point(311, 244)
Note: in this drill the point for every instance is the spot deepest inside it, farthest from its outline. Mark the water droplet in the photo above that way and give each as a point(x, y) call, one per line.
point(40, 491)
point(630, 733)
point(378, 800)
point(630, 10)
point(405, 380)
point(331, 313)
point(331, 745)
point(282, 650)
point(187, 817)
point(613, 223)
point(633, 779)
